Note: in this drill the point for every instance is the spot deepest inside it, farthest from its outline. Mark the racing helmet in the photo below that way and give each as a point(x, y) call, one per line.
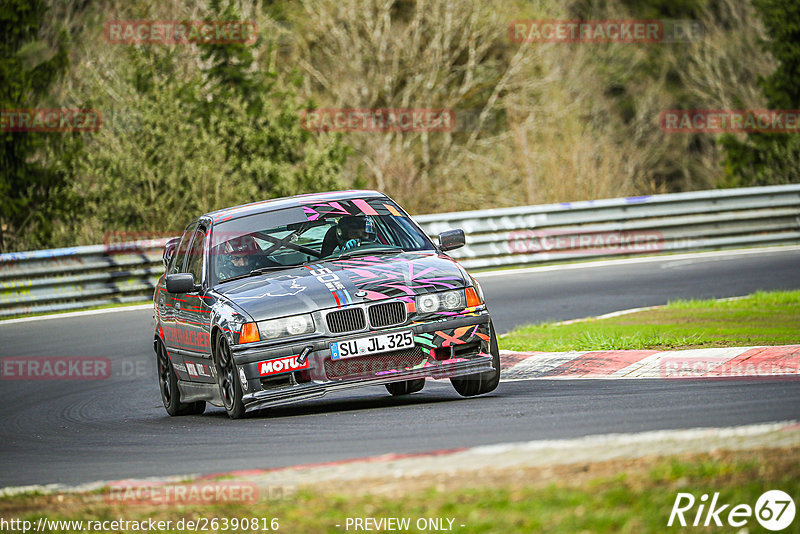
point(241, 246)
point(358, 227)
point(236, 256)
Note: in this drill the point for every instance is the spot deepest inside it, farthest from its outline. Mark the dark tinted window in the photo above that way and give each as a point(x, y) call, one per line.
point(311, 232)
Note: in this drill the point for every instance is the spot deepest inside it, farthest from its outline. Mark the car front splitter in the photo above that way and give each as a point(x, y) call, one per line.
point(264, 399)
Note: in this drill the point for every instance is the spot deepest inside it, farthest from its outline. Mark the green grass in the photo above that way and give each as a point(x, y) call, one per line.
point(764, 318)
point(624, 496)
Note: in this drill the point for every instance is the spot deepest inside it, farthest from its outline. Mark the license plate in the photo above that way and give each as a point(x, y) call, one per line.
point(364, 346)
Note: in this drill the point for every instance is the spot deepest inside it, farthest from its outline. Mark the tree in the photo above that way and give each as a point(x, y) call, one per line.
point(766, 159)
point(34, 191)
point(257, 119)
point(208, 127)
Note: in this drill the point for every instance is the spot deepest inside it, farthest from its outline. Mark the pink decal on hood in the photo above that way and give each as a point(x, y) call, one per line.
point(366, 261)
point(362, 272)
point(374, 295)
point(412, 276)
point(405, 289)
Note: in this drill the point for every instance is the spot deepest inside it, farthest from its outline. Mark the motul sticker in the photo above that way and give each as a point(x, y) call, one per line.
point(286, 364)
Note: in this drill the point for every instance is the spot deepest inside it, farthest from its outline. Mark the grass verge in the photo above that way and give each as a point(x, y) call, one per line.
point(764, 318)
point(626, 495)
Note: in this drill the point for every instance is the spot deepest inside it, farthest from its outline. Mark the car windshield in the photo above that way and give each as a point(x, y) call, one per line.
point(297, 236)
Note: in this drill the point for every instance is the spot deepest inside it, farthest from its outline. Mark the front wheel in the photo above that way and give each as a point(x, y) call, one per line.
point(168, 384)
point(229, 387)
point(406, 387)
point(478, 384)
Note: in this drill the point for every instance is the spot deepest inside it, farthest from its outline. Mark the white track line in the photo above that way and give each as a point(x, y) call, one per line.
point(136, 307)
point(628, 312)
point(623, 261)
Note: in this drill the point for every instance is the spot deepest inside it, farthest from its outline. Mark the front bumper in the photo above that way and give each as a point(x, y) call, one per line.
point(263, 399)
point(452, 347)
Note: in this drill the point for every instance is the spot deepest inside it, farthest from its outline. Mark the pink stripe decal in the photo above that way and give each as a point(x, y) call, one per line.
point(363, 206)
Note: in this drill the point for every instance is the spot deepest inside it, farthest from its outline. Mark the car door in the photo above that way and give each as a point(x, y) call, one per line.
point(194, 313)
point(169, 305)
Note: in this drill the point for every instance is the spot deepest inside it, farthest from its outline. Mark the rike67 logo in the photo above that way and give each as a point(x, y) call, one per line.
point(774, 510)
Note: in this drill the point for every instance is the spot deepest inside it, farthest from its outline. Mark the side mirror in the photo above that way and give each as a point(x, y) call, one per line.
point(181, 283)
point(451, 239)
point(169, 250)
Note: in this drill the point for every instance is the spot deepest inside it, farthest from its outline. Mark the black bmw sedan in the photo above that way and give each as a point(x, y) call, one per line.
point(283, 300)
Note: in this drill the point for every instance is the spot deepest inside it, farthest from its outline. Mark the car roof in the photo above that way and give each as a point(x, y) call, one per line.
point(287, 202)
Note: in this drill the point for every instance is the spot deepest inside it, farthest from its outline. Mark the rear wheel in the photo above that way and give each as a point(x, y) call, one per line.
point(405, 388)
point(168, 384)
point(229, 387)
point(478, 384)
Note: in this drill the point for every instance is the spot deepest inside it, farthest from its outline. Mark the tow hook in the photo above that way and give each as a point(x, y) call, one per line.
point(301, 359)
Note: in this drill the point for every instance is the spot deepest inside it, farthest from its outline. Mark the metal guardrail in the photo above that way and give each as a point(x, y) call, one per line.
point(675, 222)
point(80, 277)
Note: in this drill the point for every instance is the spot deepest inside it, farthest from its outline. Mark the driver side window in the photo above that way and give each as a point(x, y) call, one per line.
point(194, 264)
point(180, 254)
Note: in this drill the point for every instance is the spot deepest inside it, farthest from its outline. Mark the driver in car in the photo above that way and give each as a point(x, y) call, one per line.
point(237, 257)
point(353, 231)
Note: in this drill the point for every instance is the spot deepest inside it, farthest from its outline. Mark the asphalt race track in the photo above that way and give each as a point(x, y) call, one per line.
point(580, 291)
point(71, 432)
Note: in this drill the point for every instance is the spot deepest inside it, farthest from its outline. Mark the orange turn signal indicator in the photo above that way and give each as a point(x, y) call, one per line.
point(249, 333)
point(472, 298)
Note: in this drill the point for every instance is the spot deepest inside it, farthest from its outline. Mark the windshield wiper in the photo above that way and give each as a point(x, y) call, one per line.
point(256, 272)
point(270, 268)
point(366, 252)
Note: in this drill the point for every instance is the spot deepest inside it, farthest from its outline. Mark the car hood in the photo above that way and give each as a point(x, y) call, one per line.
point(331, 284)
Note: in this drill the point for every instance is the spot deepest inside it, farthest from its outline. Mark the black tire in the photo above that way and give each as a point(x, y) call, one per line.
point(406, 387)
point(478, 384)
point(168, 384)
point(228, 380)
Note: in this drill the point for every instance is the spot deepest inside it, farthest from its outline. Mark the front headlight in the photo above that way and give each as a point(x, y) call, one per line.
point(449, 300)
point(296, 325)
